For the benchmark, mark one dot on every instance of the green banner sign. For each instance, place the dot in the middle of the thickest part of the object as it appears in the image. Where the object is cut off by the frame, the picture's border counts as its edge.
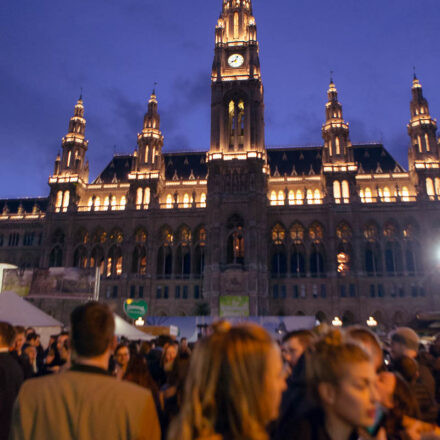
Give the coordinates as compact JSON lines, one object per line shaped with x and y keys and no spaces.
{"x":234,"y":306}
{"x":135,"y":309}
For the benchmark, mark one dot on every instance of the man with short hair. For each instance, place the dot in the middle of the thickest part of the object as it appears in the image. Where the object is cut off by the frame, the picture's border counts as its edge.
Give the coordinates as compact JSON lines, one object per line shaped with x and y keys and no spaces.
{"x":11,"y":378}
{"x":85,"y":402}
{"x":294,"y":344}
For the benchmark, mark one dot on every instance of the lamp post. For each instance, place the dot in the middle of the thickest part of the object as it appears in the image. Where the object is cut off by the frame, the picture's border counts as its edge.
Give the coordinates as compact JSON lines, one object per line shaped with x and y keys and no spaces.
{"x":139,"y":322}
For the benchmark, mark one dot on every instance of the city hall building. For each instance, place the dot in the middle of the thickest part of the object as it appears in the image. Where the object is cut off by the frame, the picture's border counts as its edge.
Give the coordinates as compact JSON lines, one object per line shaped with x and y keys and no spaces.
{"x":333,"y":230}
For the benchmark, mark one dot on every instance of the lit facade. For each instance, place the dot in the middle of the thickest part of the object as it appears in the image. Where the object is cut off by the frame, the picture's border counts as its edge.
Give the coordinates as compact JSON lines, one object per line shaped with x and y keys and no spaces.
{"x":332,"y":230}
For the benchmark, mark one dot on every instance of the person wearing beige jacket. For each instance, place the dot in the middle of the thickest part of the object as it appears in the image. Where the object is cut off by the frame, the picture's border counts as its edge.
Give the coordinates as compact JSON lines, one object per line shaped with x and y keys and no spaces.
{"x":85,"y":402}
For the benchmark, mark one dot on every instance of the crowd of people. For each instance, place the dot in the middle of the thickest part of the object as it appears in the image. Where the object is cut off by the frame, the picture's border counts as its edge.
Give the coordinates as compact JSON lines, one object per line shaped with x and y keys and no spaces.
{"x":236,"y":383}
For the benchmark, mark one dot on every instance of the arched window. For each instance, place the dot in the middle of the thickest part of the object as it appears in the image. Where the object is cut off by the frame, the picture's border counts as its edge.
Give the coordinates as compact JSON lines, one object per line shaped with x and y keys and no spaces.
{"x":140,"y":235}
{"x":386,"y":195}
{"x":116,"y":235}
{"x":80,"y":257}
{"x":139,"y":261}
{"x":344,"y":253}
{"x":405,"y":194}
{"x":90,"y":203}
{"x":169,"y":201}
{"x":430,"y":188}
{"x":165,"y":255}
{"x":139,"y":198}
{"x":278,"y":234}
{"x":310,"y":200}
{"x":114,"y":203}
{"x":279,"y":257}
{"x":203,"y":200}
{"x":281,"y":196}
{"x":59,"y":201}
{"x":106,"y":204}
{"x":56,"y":257}
{"x":316,"y":232}
{"x":236,"y":124}
{"x":99,"y":236}
{"x":183,"y":254}
{"x":273,"y":198}
{"x":291,"y":197}
{"x":297,"y":232}
{"x":186,"y":201}
{"x":368,"y":195}
{"x":318,"y":200}
{"x":114,"y":262}
{"x":299,"y":197}
{"x":123,"y":203}
{"x":337,"y":191}
{"x":373,"y":260}
{"x":235,"y":245}
{"x":345,"y":191}
{"x":317,"y":266}
{"x":97,"y":204}
{"x":437,"y":186}
{"x":81,"y":236}
{"x":66,"y":200}
{"x":199,"y":252}
{"x":393,"y":258}
{"x":97,"y":258}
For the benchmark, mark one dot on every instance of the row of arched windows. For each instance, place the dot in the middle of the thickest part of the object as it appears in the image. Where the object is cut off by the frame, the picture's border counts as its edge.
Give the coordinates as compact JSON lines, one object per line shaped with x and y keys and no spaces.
{"x":312,"y":197}
{"x":107,"y":203}
{"x":433,"y":187}
{"x":185,"y":201}
{"x":62,"y":201}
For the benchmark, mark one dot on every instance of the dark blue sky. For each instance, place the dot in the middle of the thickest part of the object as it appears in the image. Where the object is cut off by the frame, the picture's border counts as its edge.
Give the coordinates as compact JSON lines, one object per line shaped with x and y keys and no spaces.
{"x":117,"y":49}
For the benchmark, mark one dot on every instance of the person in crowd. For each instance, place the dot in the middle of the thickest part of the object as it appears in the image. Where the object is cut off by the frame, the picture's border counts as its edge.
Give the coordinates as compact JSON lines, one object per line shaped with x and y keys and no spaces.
{"x":29,"y":331}
{"x":145,"y":348}
{"x":86,"y":402}
{"x":169,"y":355}
{"x":65,"y":355}
{"x":296,"y":400}
{"x":20,"y":339}
{"x":154,"y":359}
{"x":234,"y":386}
{"x":405,"y":342}
{"x":184,"y":347}
{"x":370,"y":342}
{"x":122,"y":359}
{"x":342,"y":378}
{"x":294,"y":344}
{"x":30,"y":356}
{"x":11,"y":378}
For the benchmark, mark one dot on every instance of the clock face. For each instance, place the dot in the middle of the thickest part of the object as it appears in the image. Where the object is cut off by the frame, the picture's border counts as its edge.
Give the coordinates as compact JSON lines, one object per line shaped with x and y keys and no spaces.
{"x":236,"y":60}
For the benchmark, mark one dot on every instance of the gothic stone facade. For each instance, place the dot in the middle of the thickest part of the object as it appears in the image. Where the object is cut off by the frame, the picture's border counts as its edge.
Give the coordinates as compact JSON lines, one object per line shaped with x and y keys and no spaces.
{"x":333,"y":230}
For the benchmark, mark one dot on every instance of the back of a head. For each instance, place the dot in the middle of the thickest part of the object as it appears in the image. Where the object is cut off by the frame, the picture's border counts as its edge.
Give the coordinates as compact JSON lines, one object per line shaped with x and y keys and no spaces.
{"x":306,"y":337}
{"x":407,"y":367}
{"x":330,"y":358}
{"x":92,"y":329}
{"x":225,"y":391}
{"x":7,"y":334}
{"x":407,"y":337}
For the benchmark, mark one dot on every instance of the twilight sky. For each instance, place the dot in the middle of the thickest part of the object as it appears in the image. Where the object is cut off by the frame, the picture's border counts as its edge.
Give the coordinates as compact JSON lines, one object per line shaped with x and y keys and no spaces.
{"x":117,"y":49}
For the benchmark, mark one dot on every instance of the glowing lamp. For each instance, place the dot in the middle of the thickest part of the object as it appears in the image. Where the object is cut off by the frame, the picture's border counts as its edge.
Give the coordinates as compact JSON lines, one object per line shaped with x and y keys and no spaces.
{"x":371,"y":322}
{"x":336,"y":322}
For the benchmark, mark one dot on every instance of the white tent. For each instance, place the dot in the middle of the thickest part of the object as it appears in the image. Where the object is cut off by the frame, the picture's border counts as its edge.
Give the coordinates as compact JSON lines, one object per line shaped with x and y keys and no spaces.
{"x":123,"y":328}
{"x":17,"y":311}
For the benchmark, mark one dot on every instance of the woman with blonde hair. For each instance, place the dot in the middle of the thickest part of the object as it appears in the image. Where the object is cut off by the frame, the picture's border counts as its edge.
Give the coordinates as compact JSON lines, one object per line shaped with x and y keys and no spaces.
{"x":234,"y":386}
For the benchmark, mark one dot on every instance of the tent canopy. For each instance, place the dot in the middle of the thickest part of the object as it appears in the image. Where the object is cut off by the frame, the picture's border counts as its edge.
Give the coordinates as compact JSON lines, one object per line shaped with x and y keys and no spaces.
{"x":17,"y":311}
{"x":123,"y":328}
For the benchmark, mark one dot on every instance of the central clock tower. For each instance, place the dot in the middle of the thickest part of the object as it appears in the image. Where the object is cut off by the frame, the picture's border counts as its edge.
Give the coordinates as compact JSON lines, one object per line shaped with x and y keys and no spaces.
{"x":237,"y":118}
{"x":237,"y":261}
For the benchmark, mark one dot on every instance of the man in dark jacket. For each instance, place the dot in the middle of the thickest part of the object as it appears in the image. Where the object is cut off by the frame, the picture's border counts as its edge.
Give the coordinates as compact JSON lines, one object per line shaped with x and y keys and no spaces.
{"x":11,"y":378}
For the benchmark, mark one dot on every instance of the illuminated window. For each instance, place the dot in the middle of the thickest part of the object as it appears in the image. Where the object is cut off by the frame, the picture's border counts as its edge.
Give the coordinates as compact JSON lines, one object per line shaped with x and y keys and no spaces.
{"x":236,"y":26}
{"x":371,"y":232}
{"x":106,"y":204}
{"x":317,"y":197}
{"x":123,"y":203}
{"x":386,"y":195}
{"x":368,"y":195}
{"x":169,"y":201}
{"x":430,"y":187}
{"x":66,"y":199}
{"x":97,"y":203}
{"x":140,"y":235}
{"x":344,"y":232}
{"x":59,"y":201}
{"x":90,"y":203}
{"x":420,"y":143}
{"x":203,"y":200}
{"x":139,"y":198}
{"x":297,"y":233}
{"x":338,"y":145}
{"x":310,"y":197}
{"x":281,"y":198}
{"x":299,"y":197}
{"x":337,"y":191}
{"x":69,"y":158}
{"x":278,"y":234}
{"x":291,"y":197}
{"x":147,"y":152}
{"x":362,"y":195}
{"x":116,"y":235}
{"x":405,"y":194}
{"x":390,"y":231}
{"x":114,"y":203}
{"x":153,"y":157}
{"x":186,"y":201}
{"x":345,"y":191}
{"x":427,"y":142}
{"x":146,"y":197}
{"x":343,"y":260}
{"x":437,"y":186}
{"x":273,"y":198}
{"x":316,"y":232}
